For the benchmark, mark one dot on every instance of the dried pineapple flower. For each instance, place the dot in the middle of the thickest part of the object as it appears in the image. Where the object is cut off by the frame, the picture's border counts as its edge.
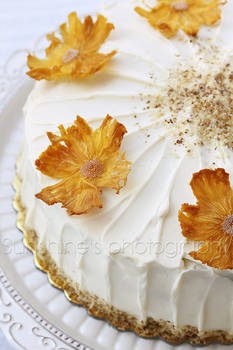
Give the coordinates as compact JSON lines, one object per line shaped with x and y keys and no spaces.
{"x":169,"y":16}
{"x":84,"y":161}
{"x":76,"y":55}
{"x":211,"y":220}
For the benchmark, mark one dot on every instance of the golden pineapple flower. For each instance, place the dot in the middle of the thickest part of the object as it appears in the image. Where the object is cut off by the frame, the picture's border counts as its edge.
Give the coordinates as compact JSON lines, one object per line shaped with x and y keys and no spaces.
{"x":84,"y":161}
{"x":170,"y":15}
{"x":211,"y":220}
{"x":76,"y":54}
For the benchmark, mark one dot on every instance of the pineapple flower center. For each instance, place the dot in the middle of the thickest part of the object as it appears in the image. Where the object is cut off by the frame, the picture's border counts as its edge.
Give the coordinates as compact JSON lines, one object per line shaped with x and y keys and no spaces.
{"x":92,"y":168}
{"x":180,"y":6}
{"x":228,"y":225}
{"x":70,"y":55}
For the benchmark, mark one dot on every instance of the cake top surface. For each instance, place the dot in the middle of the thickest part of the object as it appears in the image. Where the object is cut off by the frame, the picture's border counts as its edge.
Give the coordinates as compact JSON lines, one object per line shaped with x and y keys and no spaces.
{"x":174,"y":98}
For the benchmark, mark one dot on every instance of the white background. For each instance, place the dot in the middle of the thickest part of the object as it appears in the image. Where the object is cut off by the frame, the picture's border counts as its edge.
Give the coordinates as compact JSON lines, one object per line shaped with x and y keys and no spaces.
{"x":22,"y":22}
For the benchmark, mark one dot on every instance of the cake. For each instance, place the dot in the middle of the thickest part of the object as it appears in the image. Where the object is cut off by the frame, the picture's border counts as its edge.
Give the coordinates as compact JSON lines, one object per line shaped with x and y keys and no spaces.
{"x":126,"y":111}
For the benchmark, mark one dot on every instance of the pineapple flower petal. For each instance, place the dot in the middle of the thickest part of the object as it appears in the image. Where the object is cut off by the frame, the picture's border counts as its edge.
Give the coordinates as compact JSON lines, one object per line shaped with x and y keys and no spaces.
{"x":77,"y":196}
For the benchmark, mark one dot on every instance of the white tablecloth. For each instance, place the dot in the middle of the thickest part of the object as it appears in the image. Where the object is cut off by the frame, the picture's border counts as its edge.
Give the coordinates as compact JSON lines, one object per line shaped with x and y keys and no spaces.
{"x":22,"y":22}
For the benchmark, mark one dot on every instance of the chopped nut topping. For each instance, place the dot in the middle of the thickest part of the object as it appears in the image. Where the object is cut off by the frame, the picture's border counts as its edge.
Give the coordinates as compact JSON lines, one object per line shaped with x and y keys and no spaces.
{"x":198,"y":101}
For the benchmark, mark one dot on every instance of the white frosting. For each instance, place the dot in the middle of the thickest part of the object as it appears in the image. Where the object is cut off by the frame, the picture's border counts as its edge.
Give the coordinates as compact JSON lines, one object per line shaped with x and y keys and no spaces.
{"x":148,"y":276}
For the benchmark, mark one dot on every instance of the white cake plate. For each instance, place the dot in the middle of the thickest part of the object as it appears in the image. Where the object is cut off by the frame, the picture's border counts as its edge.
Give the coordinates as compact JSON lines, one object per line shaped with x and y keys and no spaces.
{"x":33,"y":314}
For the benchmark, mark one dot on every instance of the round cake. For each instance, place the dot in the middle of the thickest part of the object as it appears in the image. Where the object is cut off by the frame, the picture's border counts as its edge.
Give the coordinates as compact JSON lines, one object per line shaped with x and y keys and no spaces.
{"x":124,"y":178}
